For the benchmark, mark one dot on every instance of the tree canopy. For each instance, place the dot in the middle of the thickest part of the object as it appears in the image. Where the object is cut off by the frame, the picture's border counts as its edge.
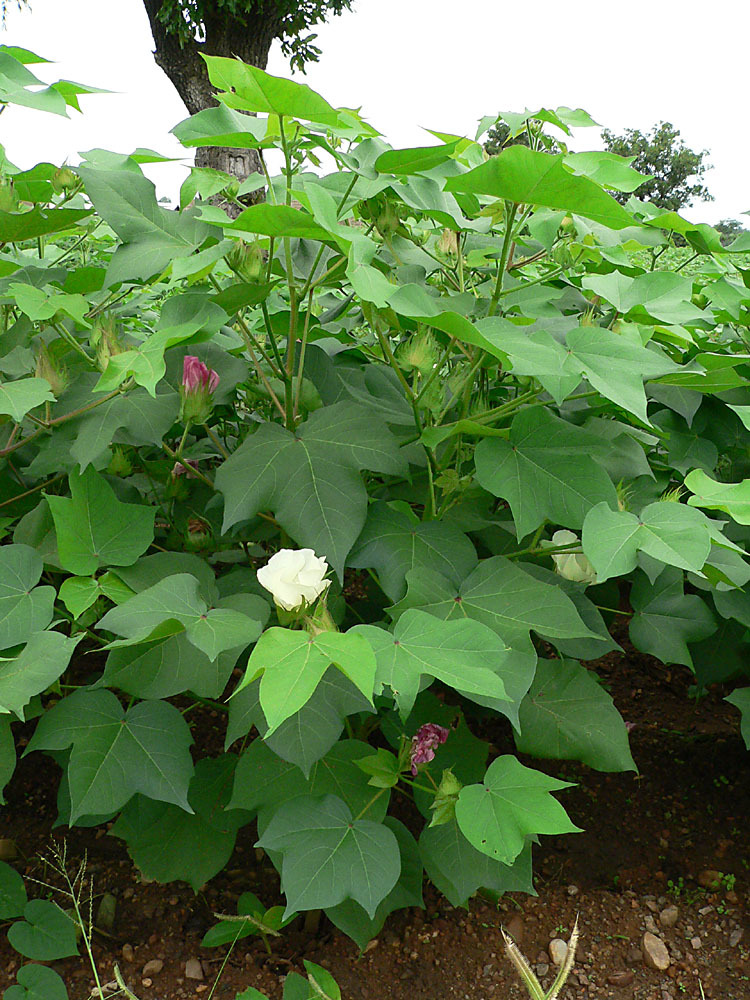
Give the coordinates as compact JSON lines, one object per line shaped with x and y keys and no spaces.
{"x":676,"y":170}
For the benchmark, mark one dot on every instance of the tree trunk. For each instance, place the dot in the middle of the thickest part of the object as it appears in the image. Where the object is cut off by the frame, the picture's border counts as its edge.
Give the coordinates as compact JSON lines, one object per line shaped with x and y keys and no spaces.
{"x":248,"y":38}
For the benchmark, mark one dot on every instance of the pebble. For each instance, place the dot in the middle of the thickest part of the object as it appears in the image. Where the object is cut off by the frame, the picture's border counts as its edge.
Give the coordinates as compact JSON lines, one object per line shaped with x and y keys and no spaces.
{"x":696,"y":943}
{"x":153,"y":968}
{"x":127,"y":953}
{"x":147,"y":982}
{"x":622,"y":978}
{"x":669,"y":916}
{"x":635,"y":955}
{"x":542,"y":969}
{"x":193,"y":969}
{"x":710,"y":878}
{"x":514,"y":927}
{"x":558,"y":949}
{"x":735,"y":937}
{"x":573,"y":890}
{"x":655,"y":953}
{"x":651,"y":925}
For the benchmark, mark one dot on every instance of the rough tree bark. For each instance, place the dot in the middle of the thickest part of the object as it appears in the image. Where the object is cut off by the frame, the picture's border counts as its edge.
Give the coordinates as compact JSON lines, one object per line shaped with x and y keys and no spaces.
{"x":250,"y":39}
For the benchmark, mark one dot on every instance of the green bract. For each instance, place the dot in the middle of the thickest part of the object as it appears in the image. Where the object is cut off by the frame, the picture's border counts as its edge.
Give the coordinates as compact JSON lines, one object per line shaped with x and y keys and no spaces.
{"x":446,"y":377}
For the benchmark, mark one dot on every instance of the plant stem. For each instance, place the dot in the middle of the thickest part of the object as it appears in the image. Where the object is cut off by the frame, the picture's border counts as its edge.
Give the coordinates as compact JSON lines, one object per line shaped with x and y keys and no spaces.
{"x":216,"y":441}
{"x":511,"y":214}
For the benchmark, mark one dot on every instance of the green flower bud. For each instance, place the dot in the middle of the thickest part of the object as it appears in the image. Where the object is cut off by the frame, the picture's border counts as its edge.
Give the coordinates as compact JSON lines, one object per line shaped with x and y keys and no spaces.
{"x":64,"y":180}
{"x":119,"y":464}
{"x":448,"y":244}
{"x":232,"y":188}
{"x":419,"y":352}
{"x":105,"y":340}
{"x":246,"y":260}
{"x":49,"y":368}
{"x":198,"y":534}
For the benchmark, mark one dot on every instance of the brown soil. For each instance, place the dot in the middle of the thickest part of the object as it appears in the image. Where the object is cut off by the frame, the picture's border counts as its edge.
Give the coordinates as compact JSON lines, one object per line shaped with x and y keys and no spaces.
{"x":650,"y":840}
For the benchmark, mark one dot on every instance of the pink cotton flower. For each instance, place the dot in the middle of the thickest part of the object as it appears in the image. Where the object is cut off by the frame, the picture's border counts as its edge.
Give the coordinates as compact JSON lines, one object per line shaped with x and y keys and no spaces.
{"x":199,"y":382}
{"x":195,"y":374}
{"x":424,"y":743}
{"x":185,"y":469}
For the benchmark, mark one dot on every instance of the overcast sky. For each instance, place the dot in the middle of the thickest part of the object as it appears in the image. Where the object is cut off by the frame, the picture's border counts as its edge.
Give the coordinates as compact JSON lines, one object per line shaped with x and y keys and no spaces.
{"x":438,"y":64}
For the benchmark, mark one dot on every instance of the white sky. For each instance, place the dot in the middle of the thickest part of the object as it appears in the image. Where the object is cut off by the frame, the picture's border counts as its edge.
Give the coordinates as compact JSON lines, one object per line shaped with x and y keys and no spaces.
{"x":440,"y":64}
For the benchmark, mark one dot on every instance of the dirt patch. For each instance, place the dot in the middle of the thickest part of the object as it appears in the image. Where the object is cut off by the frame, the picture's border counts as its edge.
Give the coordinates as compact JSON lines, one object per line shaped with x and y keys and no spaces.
{"x":651,"y":841}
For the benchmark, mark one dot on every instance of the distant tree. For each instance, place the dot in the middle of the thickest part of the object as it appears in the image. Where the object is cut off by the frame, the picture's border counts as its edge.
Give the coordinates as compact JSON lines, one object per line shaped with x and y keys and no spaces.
{"x":676,"y":169}
{"x":729,"y":230}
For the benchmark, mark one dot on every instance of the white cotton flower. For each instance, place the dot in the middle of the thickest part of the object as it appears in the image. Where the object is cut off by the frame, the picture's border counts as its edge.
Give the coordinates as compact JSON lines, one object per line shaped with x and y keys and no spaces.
{"x":294,"y":577}
{"x":572,"y":565}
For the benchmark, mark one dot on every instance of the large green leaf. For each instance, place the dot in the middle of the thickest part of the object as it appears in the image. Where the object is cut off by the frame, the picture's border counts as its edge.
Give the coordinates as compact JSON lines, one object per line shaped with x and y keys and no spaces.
{"x":464,"y":654}
{"x":311,"y":479}
{"x":533,"y":178}
{"x":96,"y":529}
{"x":36,"y":982}
{"x":17,"y":398}
{"x":220,"y":126}
{"x":151,"y":236}
{"x":732,"y":498}
{"x":393,"y":542}
{"x":513,"y":803}
{"x":18,"y":226}
{"x":12,"y":892}
{"x":353,"y":919}
{"x":7,"y":765}
{"x":740,"y":698}
{"x":567,"y":715}
{"x":544,"y":470}
{"x":135,"y":418}
{"x":500,"y":594}
{"x":458,"y":869}
{"x":248,"y":88}
{"x":24,"y":607}
{"x":291,"y":664}
{"x":668,"y":532}
{"x":309,"y":734}
{"x":666,"y":619}
{"x":45,"y":933}
{"x":662,"y":295}
{"x":42,"y":660}
{"x":166,"y":843}
{"x":118,"y":753}
{"x":330,"y":856}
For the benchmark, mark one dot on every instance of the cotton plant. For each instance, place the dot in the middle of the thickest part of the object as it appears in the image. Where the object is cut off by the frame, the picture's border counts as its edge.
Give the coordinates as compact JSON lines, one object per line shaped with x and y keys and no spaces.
{"x":526,"y":973}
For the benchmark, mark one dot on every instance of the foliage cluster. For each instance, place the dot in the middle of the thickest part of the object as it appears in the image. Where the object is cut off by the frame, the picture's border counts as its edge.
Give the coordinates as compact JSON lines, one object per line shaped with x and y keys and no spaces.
{"x":467,"y":383}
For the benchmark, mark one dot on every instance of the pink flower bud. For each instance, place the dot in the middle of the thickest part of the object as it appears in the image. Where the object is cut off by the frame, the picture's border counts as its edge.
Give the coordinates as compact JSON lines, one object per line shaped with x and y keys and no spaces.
{"x":199,"y":382}
{"x":424,"y":743}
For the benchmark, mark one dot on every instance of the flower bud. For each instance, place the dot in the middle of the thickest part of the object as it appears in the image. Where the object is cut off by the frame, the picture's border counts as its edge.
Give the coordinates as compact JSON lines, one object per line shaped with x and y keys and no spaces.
{"x":419,"y":352}
{"x":572,"y":565}
{"x":105,"y":340}
{"x":199,"y":383}
{"x":232,"y":188}
{"x":47,"y":367}
{"x":246,"y":260}
{"x":198,"y":535}
{"x":64,"y":180}
{"x":448,"y":244}
{"x":119,"y":464}
{"x":8,"y":196}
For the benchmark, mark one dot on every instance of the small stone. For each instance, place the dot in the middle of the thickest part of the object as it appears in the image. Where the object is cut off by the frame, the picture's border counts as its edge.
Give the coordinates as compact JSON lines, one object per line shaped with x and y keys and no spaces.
{"x":105,"y":916}
{"x":710,"y":878}
{"x":557,"y":949}
{"x":128,"y":893}
{"x":696,"y":943}
{"x":147,"y":982}
{"x":651,"y":925}
{"x":127,"y":953}
{"x":193,"y":969}
{"x":153,"y":968}
{"x":732,"y":897}
{"x":735,"y":937}
{"x":622,"y":978}
{"x":573,"y":890}
{"x":371,"y":944}
{"x":635,"y":955}
{"x":669,"y":916}
{"x":542,"y":969}
{"x":655,"y":953}
{"x":8,"y":850}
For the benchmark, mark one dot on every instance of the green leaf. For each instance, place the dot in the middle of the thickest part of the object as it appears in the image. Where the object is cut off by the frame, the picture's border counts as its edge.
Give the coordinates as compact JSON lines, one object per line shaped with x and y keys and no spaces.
{"x":615,"y":366}
{"x":329,"y":856}
{"x":42,"y":660}
{"x":740,"y":698}
{"x":292,"y":664}
{"x":415,"y":160}
{"x":96,"y":529}
{"x":353,"y":920}
{"x":278,"y":220}
{"x":37,"y":982}
{"x":18,"y":226}
{"x":463,"y":654}
{"x":666,"y":619}
{"x":309,"y":734}
{"x":544,"y":470}
{"x":135,"y":418}
{"x":17,"y":398}
{"x":458,"y":870}
{"x":167,"y":844}
{"x":567,"y":715}
{"x":45,"y":933}
{"x":78,"y":593}
{"x":732,"y":498}
{"x":118,"y":753}
{"x":151,"y":236}
{"x":512,"y":803}
{"x":24,"y":607}
{"x":500,"y":594}
{"x":12,"y":893}
{"x":533,"y":178}
{"x":263,"y":781}
{"x":394,"y":542}
{"x":221,"y":126}
{"x":251,"y":89}
{"x":668,"y":532}
{"x":7,"y":763}
{"x":311,"y":479}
